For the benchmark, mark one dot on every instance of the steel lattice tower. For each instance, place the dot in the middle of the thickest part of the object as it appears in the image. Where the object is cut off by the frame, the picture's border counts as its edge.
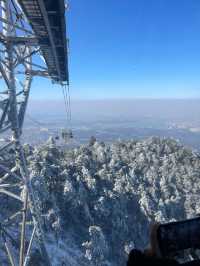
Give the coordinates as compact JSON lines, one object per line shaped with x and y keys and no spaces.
{"x":32,"y":43}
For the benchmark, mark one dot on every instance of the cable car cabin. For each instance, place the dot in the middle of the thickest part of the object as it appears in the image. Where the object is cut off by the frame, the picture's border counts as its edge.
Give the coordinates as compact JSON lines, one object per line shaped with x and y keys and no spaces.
{"x":66,"y":135}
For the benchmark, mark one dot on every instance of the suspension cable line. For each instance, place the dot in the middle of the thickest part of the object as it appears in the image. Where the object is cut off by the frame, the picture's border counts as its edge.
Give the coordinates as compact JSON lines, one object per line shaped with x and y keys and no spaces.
{"x":66,"y":103}
{"x":67,"y":134}
{"x":69,"y":100}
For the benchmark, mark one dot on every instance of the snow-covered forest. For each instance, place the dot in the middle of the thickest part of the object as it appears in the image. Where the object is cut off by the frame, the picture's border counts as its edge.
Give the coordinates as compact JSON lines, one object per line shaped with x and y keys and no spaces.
{"x":99,"y":199}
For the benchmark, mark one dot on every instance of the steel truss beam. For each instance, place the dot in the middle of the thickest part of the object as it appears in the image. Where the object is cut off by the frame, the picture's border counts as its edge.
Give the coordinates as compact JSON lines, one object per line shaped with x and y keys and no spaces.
{"x":18,"y":50}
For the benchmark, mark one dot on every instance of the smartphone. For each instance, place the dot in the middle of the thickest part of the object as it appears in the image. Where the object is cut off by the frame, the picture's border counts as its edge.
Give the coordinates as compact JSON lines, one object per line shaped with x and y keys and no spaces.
{"x":177,"y":236}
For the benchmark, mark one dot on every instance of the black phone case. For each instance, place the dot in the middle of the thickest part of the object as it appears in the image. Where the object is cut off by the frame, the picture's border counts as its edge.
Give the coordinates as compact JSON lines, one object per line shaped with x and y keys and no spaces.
{"x":177,"y":236}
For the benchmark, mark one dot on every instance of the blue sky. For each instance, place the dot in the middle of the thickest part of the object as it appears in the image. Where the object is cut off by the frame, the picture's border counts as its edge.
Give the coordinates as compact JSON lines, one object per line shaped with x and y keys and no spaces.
{"x":131,"y":49}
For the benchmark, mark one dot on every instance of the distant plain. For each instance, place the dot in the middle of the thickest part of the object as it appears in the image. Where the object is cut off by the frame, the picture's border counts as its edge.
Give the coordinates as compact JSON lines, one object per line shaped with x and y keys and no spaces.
{"x":110,"y":120}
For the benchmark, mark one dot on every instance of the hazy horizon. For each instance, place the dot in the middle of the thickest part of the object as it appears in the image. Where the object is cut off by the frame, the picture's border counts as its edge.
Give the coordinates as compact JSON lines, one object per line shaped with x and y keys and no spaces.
{"x":173,"y":108}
